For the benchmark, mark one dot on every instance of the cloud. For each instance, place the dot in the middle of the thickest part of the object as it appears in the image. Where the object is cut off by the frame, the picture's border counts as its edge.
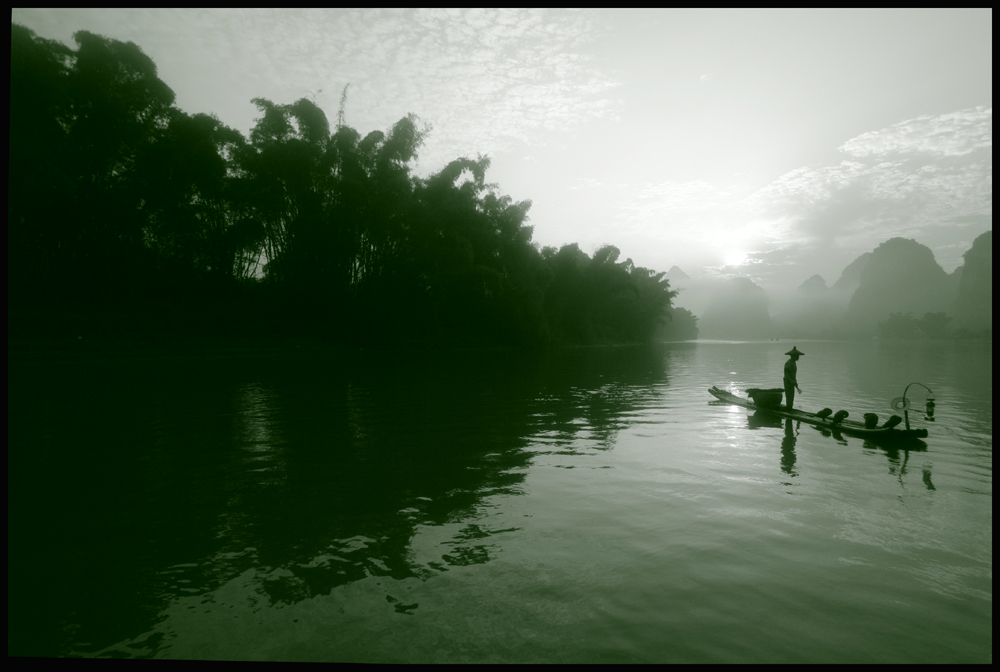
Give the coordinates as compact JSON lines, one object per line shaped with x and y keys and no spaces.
{"x":916,"y":174}
{"x":954,"y":134}
{"x":484,"y":78}
{"x":697,"y":195}
{"x":585,"y":183}
{"x":923,"y":178}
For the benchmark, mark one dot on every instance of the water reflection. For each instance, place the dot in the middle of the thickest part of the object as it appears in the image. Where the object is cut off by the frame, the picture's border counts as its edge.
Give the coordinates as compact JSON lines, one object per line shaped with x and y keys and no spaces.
{"x":288,"y":499}
{"x":587,"y":395}
{"x":762,"y":420}
{"x":759,"y":419}
{"x":788,"y":448}
{"x":278,"y":479}
{"x":828,"y":432}
{"x":391,"y":448}
{"x":363,"y":461}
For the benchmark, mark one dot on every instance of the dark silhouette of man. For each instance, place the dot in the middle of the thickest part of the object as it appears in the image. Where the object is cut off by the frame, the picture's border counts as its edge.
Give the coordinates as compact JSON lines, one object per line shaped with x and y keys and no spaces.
{"x":791,"y":373}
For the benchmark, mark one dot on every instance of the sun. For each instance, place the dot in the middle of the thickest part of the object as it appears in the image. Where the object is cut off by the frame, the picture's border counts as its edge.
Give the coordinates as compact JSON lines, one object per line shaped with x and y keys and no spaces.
{"x":734,"y":257}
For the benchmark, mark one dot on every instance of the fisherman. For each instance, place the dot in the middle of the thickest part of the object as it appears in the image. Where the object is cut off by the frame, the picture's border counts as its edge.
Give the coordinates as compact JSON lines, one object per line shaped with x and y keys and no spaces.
{"x":791,"y":371}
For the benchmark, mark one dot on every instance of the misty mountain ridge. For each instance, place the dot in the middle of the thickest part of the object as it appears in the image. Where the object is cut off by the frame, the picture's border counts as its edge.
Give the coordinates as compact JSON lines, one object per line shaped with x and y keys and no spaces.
{"x":815,"y":284}
{"x":738,"y":310}
{"x":900,"y":277}
{"x":974,"y":302}
{"x":850,"y":278}
{"x":676,"y":275}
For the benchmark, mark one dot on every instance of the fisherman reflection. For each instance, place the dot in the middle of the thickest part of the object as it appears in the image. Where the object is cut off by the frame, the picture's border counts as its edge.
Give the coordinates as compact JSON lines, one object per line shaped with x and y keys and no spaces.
{"x":788,"y":447}
{"x":897,"y":466}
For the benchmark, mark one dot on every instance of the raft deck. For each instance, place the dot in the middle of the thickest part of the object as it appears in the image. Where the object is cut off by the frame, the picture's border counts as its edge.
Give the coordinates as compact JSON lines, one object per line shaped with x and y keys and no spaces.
{"x":849,"y":427}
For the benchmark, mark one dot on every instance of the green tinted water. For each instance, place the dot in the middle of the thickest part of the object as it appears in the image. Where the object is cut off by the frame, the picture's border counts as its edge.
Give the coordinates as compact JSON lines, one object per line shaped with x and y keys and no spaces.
{"x":578,"y":505}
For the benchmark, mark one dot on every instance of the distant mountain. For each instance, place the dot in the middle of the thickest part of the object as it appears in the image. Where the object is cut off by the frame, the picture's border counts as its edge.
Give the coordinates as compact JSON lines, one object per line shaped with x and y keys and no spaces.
{"x":736,"y":311}
{"x":952,"y":284}
{"x":812,"y":311}
{"x":676,"y":275}
{"x":814,"y":285}
{"x":901,"y":276}
{"x":851,"y":276}
{"x":974,"y":303}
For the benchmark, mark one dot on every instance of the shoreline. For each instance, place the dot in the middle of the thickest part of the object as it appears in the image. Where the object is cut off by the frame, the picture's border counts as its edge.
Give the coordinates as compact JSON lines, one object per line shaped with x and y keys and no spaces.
{"x":69,"y":348}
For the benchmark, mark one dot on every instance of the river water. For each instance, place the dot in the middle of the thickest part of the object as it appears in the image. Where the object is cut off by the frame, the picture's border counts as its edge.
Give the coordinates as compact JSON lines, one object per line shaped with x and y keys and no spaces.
{"x":578,"y":505}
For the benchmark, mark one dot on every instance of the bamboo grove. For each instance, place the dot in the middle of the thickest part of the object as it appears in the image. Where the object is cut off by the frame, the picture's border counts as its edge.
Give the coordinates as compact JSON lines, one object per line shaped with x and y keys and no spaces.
{"x":121,"y":204}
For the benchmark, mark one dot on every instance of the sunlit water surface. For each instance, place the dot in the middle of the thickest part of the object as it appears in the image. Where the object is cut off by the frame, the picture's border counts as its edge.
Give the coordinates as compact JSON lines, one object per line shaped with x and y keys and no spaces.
{"x":588,"y":505}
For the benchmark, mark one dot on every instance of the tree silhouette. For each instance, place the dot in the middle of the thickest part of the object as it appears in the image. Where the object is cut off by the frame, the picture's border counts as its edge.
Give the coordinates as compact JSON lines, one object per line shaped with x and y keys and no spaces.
{"x":899,"y":326}
{"x":118,"y":197}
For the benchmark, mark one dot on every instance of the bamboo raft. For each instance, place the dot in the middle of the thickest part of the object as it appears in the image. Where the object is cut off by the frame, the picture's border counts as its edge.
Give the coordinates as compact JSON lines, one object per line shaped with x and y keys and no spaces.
{"x":848,"y":427}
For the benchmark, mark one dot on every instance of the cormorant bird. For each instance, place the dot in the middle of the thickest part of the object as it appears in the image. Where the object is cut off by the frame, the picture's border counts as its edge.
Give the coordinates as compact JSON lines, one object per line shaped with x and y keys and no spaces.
{"x":892,"y":422}
{"x":871,"y":420}
{"x":825,"y":413}
{"x":838,"y":416}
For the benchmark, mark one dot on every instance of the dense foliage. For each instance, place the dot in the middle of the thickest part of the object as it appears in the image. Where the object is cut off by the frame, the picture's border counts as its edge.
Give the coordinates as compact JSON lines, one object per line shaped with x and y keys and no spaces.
{"x":121,"y":202}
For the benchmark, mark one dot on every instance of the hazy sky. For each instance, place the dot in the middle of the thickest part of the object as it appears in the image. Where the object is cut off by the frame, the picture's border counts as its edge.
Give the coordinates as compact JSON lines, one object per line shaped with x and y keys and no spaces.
{"x":781,"y":143}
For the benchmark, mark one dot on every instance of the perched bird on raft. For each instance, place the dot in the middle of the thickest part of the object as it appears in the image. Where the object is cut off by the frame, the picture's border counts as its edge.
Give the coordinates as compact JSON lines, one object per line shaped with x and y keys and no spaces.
{"x":839,"y":416}
{"x":825,"y":413}
{"x":892,"y":422}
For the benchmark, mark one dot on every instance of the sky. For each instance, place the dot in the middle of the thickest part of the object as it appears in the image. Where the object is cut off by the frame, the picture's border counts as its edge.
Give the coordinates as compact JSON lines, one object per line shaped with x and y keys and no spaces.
{"x":769,"y":144}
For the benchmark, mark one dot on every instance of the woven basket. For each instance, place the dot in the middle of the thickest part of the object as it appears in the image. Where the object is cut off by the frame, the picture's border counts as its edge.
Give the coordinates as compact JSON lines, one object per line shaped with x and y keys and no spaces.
{"x":766,"y":398}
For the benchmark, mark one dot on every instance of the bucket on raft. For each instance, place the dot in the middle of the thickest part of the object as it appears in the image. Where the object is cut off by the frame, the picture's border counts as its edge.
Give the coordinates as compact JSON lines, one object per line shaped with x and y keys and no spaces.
{"x":766,"y":398}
